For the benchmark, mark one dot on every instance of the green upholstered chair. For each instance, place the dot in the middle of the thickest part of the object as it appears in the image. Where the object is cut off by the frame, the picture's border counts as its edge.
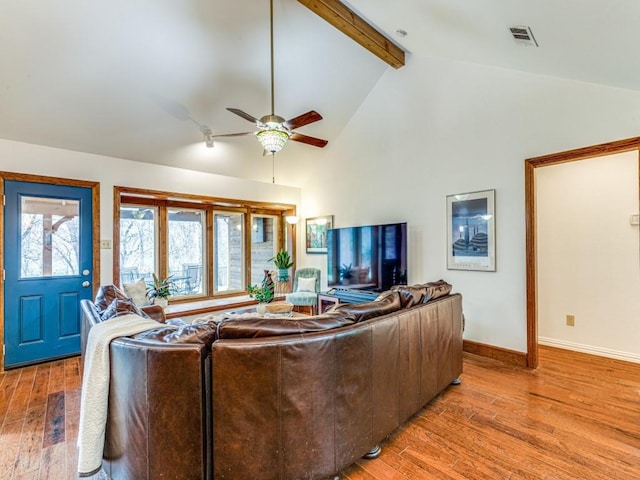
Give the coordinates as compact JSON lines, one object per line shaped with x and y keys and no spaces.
{"x":305,"y":291}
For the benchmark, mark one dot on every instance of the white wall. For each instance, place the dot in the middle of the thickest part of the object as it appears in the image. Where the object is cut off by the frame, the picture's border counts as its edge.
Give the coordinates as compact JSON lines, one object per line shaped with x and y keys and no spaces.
{"x":433,"y":128}
{"x":33,"y":159}
{"x":589,"y":255}
{"x":438,"y":127}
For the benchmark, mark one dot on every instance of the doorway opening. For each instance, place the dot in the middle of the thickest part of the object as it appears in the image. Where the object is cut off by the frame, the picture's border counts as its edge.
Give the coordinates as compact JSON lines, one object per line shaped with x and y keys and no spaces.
{"x":631,"y":144}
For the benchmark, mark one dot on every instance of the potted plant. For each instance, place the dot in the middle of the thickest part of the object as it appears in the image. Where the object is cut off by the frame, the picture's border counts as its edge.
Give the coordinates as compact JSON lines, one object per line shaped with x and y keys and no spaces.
{"x":160,"y":290}
{"x":283,"y":263}
{"x":345,"y":273}
{"x":263,"y":294}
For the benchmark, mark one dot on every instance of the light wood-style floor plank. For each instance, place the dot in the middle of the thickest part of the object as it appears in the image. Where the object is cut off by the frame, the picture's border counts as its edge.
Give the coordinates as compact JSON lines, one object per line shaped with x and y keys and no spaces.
{"x":576,"y":417}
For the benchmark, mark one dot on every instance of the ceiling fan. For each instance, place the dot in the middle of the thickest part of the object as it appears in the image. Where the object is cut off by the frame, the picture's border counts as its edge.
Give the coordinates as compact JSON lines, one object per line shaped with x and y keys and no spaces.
{"x":274,"y":131}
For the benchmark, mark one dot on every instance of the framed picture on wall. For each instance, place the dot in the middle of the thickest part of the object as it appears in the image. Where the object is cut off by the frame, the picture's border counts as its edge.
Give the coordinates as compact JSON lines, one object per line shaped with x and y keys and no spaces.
{"x":316,"y":233}
{"x":471,"y":238}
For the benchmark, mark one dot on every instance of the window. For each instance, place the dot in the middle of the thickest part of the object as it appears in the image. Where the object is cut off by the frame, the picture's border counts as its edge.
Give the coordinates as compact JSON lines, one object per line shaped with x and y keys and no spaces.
{"x":228,"y":235}
{"x":210,"y":246}
{"x":138,"y":246}
{"x":264,"y":243}
{"x":185,"y":245}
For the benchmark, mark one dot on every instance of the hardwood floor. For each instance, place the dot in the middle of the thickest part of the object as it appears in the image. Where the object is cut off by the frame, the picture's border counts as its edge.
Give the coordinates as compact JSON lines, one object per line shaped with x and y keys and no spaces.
{"x":576,"y":417}
{"x":39,"y":411}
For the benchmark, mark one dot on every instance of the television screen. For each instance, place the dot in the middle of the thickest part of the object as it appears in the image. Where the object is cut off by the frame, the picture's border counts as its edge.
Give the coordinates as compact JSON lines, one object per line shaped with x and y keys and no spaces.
{"x":372,"y":257}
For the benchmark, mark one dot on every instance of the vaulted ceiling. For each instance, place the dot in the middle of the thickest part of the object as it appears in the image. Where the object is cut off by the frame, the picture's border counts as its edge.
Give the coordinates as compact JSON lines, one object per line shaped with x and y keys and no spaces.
{"x":138,"y":80}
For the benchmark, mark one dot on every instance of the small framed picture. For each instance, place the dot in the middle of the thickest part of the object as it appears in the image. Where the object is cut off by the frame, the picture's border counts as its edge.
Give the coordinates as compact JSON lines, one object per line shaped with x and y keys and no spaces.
{"x":316,"y":233}
{"x":471,"y":238}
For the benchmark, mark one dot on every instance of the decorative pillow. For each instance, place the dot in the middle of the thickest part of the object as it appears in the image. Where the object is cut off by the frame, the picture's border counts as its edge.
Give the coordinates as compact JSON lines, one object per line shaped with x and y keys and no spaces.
{"x":306,"y":284}
{"x":121,"y":306}
{"x":137,"y":292}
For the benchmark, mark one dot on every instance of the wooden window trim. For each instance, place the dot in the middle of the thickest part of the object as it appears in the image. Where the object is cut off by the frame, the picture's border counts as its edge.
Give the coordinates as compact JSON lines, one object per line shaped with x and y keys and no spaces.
{"x":163,"y":200}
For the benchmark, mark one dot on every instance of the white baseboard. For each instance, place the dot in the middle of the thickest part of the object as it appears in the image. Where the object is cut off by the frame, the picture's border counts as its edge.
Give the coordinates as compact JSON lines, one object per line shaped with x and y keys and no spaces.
{"x":578,"y":347}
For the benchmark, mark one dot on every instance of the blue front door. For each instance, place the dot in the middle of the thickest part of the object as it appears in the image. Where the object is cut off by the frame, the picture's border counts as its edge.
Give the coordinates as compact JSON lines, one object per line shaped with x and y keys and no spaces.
{"x":48,"y":260}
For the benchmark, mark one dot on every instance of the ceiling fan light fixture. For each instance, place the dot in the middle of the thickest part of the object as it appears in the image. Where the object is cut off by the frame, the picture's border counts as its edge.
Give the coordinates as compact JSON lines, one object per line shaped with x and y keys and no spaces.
{"x":273,"y":130}
{"x":208,"y":137}
{"x":272,"y":139}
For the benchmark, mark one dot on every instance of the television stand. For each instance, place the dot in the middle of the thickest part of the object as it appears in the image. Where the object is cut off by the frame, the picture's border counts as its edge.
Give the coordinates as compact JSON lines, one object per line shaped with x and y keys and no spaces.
{"x":343,"y":295}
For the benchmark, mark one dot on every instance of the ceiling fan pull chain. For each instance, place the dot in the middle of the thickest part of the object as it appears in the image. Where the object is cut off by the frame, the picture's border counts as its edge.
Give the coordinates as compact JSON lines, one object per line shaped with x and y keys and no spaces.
{"x":273,"y":167}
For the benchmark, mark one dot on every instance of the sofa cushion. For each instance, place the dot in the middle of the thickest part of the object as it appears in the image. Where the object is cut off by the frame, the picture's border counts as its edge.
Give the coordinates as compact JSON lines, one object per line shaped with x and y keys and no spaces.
{"x":106,"y":295}
{"x":411,"y":295}
{"x":387,"y":302}
{"x":436,"y":290}
{"x":137,"y":291}
{"x":179,"y":331}
{"x":156,"y":312}
{"x":121,"y":306}
{"x":254,"y":327}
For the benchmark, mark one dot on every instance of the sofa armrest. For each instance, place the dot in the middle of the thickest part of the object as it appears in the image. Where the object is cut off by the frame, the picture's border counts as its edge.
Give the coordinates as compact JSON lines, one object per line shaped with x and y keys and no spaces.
{"x":156,"y":312}
{"x":158,"y":423}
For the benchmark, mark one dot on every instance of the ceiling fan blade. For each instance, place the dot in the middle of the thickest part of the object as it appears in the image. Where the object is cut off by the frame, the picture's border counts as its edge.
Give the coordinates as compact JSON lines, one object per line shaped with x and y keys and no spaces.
{"x":232,"y":134}
{"x":244,"y":115}
{"x":316,"y":142}
{"x":302,"y":120}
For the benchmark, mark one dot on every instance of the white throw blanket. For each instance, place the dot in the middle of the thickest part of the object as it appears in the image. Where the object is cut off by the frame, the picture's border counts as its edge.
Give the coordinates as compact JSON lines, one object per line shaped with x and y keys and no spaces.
{"x":95,"y":386}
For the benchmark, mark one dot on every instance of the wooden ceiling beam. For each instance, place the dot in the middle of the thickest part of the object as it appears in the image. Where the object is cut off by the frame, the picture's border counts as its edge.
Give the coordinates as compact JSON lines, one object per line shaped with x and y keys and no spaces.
{"x":351,"y":24}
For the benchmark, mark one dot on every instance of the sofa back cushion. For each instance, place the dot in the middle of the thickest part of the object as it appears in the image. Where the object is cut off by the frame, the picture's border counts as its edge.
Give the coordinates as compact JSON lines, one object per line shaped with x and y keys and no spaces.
{"x":436,"y":290}
{"x":254,"y":327}
{"x":178,"y":331}
{"x":411,"y":295}
{"x":387,"y":302}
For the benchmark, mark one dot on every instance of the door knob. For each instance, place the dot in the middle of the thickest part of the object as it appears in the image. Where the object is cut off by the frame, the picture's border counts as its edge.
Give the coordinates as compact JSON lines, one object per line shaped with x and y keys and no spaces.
{"x":85,"y":284}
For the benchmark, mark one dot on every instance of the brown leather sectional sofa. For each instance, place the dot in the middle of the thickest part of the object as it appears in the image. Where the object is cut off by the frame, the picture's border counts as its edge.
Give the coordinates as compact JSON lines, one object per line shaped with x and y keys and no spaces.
{"x":277,"y":398}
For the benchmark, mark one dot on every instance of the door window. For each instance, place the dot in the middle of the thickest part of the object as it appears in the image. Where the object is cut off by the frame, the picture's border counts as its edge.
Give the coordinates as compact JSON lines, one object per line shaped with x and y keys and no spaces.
{"x":49,"y":237}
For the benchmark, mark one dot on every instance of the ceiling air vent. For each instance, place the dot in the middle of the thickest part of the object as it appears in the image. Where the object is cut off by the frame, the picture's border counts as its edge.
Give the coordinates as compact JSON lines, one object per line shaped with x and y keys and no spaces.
{"x":523,"y":36}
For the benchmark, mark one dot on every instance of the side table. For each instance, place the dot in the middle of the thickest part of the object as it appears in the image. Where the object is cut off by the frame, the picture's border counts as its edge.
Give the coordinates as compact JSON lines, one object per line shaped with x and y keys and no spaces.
{"x":325,"y":301}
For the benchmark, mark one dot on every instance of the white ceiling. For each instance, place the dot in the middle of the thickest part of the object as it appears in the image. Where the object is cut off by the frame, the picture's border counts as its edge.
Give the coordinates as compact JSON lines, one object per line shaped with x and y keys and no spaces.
{"x":137,"y":79}
{"x":587,"y":40}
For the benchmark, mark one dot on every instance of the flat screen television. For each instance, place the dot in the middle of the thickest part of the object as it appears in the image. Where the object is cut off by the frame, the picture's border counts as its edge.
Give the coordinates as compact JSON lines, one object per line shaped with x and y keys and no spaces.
{"x":371,"y":257}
